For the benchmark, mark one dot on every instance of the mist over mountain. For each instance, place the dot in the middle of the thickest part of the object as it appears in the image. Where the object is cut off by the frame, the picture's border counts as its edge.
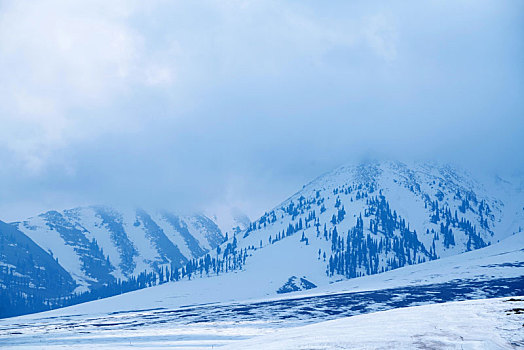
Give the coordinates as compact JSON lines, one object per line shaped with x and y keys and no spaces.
{"x":189,"y":116}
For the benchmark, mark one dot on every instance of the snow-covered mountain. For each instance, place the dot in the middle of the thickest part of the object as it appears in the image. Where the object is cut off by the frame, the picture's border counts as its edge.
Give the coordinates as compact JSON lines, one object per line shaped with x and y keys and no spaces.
{"x":205,"y":313}
{"x":84,"y":249}
{"x":98,"y":244}
{"x":354,"y":221}
{"x":373,"y":217}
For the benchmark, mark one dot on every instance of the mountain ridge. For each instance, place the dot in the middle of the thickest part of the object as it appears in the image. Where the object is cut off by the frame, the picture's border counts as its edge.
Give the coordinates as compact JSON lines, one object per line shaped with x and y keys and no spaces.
{"x":353,"y":221}
{"x":100,"y":249}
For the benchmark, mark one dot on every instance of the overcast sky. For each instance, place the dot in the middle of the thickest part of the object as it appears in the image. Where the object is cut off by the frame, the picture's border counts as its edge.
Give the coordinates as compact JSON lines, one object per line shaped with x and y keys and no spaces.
{"x":202,"y":105}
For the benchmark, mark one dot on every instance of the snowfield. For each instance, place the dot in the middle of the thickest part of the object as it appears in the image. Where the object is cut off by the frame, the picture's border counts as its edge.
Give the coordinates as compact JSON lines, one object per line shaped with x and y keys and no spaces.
{"x":478,"y":324}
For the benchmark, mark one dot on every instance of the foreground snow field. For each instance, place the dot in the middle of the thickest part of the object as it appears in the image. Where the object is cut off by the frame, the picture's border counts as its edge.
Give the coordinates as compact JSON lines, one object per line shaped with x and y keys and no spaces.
{"x":479,"y":324}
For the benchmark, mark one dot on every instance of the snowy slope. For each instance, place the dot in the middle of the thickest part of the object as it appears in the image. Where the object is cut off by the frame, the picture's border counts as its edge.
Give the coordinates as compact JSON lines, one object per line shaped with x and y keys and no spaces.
{"x":28,"y":267}
{"x":504,"y":260}
{"x":207,"y":312}
{"x":374,"y":217}
{"x":479,"y":324}
{"x":97,"y":245}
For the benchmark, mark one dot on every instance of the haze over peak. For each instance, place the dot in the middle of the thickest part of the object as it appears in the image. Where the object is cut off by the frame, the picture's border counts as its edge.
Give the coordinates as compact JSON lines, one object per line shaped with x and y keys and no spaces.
{"x":152,"y":109}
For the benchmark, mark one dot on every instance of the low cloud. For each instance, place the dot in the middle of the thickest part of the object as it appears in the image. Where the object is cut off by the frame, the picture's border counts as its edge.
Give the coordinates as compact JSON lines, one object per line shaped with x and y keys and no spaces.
{"x":195,"y":105}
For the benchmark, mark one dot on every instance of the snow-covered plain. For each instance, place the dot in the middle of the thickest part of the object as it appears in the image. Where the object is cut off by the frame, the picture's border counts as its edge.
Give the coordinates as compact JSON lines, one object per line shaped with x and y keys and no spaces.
{"x":204,"y":313}
{"x":478,"y":324}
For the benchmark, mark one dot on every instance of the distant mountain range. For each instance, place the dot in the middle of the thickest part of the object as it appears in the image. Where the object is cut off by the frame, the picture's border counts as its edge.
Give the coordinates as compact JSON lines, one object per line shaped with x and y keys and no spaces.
{"x":354,"y":221}
{"x":56,"y":253}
